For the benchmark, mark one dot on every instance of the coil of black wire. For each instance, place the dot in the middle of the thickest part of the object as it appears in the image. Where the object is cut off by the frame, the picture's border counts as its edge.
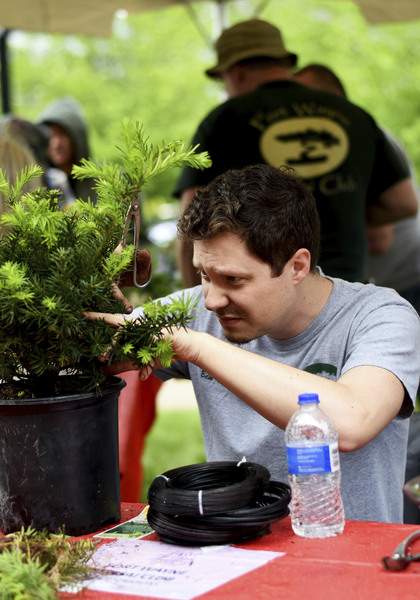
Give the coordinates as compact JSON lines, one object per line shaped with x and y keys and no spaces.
{"x":215,"y":503}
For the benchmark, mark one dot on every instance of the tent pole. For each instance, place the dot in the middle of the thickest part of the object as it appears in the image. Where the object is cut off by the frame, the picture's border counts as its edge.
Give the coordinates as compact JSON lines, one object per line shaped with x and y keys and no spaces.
{"x":4,"y":72}
{"x":221,"y":16}
{"x":194,"y":18}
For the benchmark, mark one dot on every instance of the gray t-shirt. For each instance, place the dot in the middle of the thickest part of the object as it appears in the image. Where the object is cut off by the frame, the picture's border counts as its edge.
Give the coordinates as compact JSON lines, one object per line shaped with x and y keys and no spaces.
{"x":359,"y":325}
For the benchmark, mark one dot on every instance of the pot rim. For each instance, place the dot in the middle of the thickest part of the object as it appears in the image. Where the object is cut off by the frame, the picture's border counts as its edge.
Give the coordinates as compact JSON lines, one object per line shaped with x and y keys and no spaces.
{"x":112,"y":383}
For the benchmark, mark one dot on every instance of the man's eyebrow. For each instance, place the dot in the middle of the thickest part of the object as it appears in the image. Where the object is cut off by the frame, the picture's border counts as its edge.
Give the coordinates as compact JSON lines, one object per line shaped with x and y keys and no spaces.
{"x":226,"y":271}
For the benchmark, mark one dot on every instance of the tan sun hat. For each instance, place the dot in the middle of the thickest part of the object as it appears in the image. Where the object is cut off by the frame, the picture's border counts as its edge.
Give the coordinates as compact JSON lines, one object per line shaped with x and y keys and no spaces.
{"x":247,"y":40}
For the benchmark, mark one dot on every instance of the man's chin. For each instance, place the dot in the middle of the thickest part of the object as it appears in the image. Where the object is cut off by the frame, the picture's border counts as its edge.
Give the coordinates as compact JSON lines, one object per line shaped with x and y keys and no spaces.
{"x":237,"y":338}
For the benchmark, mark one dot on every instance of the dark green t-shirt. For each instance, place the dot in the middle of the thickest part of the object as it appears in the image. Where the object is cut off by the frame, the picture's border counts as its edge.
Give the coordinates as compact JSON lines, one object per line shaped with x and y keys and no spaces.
{"x":333,"y":145}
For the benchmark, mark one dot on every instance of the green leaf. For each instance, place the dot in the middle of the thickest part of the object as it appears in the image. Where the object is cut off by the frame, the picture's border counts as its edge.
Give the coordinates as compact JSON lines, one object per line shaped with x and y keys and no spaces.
{"x":24,"y":176}
{"x":23,"y":578}
{"x":142,"y":340}
{"x":145,"y":356}
{"x":164,"y":352}
{"x":4,"y":184}
{"x":116,"y":263}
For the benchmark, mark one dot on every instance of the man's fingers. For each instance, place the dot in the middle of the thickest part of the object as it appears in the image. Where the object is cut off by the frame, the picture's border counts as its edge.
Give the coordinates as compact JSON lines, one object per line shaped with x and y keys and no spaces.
{"x":114,"y":320}
{"x":120,"y":367}
{"x":118,"y":295}
{"x":145,"y":373}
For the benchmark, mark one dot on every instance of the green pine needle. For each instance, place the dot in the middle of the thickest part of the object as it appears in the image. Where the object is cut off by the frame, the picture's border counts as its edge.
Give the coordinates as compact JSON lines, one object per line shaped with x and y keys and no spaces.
{"x":142,"y":161}
{"x":33,"y":564}
{"x":55,"y":265}
{"x":142,"y":340}
{"x":23,"y":579}
{"x":12,"y":192}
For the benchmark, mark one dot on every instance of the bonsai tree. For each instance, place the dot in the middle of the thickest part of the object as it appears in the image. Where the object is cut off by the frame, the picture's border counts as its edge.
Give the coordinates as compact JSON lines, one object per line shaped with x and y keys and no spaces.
{"x":55,"y":264}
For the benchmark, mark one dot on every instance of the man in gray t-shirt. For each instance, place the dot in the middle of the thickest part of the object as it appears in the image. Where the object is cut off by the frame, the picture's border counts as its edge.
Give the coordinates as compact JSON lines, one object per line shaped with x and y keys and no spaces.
{"x":269,"y":326}
{"x":359,"y":325}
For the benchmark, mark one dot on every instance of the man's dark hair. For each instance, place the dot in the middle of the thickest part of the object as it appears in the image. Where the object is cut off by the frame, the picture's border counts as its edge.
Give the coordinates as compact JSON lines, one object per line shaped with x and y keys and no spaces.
{"x":327,"y":79}
{"x":270,"y":209}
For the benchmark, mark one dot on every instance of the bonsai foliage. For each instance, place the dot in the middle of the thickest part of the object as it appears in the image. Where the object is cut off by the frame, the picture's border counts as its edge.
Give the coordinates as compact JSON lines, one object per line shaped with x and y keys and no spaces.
{"x":55,"y":264}
{"x":143,"y":341}
{"x":34,"y":565}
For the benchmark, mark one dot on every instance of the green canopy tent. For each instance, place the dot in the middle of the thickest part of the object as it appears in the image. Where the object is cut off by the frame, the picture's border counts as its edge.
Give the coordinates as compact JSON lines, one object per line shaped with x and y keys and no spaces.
{"x":95,"y":17}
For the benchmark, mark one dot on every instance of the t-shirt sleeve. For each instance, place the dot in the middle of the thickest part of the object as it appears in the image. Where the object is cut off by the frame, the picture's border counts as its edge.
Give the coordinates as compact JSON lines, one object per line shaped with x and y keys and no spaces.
{"x":391,"y":165}
{"x":388,"y":337}
{"x":189,"y":176}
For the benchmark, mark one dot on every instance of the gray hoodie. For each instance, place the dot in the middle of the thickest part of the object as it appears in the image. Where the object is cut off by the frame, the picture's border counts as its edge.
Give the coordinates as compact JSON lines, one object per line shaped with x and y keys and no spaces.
{"x":67,"y":113}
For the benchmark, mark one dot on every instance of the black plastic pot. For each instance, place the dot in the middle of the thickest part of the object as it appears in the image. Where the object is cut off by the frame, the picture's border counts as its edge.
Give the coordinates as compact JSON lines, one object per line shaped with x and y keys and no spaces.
{"x":59,"y":461}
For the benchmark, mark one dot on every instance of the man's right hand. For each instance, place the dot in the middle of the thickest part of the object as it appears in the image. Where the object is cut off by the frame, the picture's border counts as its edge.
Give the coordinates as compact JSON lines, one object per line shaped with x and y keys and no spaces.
{"x":185,"y":343}
{"x":113,"y":319}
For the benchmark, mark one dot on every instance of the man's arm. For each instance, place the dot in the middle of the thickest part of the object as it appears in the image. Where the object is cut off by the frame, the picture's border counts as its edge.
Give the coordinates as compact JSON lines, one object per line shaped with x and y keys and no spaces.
{"x":398,"y":202}
{"x":392,"y":193}
{"x":189,"y":274}
{"x":380,"y":239}
{"x":360,"y":404}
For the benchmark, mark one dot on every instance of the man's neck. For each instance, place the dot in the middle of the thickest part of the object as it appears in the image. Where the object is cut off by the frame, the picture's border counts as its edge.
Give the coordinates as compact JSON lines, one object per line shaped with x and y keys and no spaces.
{"x":313,"y":294}
{"x":274,"y":74}
{"x":245,"y":80}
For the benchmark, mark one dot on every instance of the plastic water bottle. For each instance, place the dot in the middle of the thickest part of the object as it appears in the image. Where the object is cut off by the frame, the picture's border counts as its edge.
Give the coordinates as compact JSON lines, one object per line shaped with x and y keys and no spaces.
{"x":316,"y":507}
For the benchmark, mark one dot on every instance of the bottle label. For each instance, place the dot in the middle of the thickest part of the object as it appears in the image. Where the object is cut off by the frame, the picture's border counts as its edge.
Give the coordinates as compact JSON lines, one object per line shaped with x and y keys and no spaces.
{"x":310,"y":460}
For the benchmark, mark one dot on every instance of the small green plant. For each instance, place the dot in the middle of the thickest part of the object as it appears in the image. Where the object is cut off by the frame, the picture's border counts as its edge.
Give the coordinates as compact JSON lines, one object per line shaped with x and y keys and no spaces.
{"x":143,"y":340}
{"x":55,"y":265}
{"x":33,"y":565}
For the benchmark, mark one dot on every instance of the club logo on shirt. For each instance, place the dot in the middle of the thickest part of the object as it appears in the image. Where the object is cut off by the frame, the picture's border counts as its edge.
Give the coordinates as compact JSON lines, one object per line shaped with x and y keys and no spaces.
{"x":205,"y":375}
{"x":323,"y":370}
{"x":312,"y":146}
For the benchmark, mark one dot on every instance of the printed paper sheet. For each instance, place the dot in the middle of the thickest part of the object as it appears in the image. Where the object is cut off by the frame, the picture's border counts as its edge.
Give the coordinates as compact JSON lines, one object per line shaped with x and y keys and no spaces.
{"x":155,"y":569}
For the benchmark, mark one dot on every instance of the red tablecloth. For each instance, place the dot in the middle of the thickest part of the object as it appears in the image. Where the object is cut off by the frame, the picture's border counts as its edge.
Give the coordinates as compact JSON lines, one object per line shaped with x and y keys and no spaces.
{"x":347,"y":567}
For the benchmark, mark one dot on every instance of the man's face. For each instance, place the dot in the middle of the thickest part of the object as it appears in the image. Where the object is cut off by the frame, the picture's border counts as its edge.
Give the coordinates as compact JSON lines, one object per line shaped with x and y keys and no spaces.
{"x":239,"y":287}
{"x":60,"y":148}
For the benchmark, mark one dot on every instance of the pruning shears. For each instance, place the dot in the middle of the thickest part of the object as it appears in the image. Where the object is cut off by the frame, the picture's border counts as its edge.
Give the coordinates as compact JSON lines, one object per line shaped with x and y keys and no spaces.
{"x":401,"y":558}
{"x":142,"y":263}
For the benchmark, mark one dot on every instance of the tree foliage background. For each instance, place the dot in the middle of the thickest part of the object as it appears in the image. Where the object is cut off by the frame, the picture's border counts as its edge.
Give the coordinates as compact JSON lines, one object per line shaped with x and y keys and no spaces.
{"x":151,"y":69}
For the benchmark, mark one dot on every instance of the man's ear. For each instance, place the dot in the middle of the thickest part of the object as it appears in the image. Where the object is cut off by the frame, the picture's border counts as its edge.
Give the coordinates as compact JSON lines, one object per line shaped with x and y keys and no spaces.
{"x":300,"y":265}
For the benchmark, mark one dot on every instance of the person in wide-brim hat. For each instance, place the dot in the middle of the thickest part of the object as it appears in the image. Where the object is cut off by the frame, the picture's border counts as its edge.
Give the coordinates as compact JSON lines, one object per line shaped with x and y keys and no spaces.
{"x":249,"y":39}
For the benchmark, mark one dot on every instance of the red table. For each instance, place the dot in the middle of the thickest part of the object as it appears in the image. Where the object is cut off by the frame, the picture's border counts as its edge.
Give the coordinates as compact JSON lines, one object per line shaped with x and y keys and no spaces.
{"x":347,"y":567}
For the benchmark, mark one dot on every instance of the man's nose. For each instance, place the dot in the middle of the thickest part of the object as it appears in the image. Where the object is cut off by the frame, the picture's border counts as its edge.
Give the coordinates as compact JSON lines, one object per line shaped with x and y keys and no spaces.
{"x":215,"y":297}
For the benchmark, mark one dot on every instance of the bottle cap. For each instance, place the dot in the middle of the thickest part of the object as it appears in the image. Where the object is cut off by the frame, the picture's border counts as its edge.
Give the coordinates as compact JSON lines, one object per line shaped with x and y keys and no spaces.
{"x":309,"y":398}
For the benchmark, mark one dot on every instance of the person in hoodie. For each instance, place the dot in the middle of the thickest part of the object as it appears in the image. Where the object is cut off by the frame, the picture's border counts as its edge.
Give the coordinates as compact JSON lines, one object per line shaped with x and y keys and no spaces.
{"x":68,"y":145}
{"x":35,"y":138}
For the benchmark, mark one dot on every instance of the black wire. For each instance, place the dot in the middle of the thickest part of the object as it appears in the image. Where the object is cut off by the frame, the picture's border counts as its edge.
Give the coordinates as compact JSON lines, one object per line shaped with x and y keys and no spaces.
{"x":249,"y":518}
{"x":202,"y":489}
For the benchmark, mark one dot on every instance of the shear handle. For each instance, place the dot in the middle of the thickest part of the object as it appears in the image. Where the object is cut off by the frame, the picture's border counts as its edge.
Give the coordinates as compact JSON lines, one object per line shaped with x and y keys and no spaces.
{"x":133,"y":217}
{"x":400,"y":558}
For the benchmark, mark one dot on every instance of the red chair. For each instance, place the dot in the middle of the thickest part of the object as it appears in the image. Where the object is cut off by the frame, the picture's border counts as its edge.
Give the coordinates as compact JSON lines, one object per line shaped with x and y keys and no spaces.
{"x":136,"y":413}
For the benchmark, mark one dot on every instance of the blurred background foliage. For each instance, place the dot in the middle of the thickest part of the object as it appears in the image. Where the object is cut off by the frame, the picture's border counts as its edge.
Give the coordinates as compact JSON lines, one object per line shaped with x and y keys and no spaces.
{"x":151,"y":69}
